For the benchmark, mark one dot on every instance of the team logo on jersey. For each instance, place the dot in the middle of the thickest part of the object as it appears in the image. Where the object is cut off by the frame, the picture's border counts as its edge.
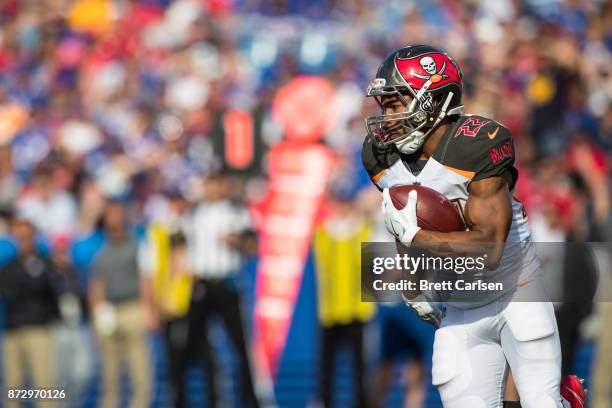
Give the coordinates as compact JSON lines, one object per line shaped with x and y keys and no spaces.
{"x":471,"y":127}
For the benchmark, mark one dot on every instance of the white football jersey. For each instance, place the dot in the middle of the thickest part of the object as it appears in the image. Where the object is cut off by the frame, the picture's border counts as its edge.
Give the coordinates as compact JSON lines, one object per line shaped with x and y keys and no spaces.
{"x":475,"y":148}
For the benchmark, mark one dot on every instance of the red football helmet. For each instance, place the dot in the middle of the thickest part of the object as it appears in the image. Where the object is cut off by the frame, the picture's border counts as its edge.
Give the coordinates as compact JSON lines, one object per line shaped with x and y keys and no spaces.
{"x":434,"y":82}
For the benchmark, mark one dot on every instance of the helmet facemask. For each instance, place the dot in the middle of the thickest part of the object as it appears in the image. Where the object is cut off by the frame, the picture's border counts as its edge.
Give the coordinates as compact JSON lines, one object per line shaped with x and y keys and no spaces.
{"x":409,"y":129}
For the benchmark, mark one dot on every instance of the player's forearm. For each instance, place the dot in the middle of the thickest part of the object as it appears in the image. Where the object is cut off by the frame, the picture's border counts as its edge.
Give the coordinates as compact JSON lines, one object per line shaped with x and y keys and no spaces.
{"x":472,"y":242}
{"x":426,"y":237}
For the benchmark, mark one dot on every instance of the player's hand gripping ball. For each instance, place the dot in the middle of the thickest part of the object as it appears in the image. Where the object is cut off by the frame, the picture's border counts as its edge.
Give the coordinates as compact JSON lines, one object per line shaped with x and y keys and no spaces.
{"x":402,"y":222}
{"x":409,"y":208}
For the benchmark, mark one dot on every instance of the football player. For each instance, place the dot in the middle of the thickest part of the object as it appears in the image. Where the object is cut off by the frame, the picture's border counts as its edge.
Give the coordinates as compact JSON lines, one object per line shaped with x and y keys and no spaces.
{"x":422,"y":136}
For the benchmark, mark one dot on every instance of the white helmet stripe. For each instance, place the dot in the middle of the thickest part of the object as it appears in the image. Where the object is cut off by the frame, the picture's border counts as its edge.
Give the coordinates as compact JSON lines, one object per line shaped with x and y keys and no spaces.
{"x":418,"y":95}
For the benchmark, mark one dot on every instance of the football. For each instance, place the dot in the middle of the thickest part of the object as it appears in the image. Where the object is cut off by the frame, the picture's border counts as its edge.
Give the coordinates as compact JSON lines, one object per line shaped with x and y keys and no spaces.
{"x":434,"y":211}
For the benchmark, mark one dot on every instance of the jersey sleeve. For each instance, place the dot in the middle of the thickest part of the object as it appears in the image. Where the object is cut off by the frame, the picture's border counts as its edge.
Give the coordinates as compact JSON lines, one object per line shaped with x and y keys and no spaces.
{"x":498,"y":157}
{"x":482,"y":148}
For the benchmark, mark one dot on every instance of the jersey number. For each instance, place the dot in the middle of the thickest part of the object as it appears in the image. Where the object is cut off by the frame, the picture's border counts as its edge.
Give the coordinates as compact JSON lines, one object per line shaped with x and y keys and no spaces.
{"x":471,"y":127}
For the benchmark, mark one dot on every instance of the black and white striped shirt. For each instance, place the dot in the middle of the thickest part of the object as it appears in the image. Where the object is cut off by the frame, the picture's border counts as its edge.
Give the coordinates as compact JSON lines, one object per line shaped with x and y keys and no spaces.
{"x":210,"y":223}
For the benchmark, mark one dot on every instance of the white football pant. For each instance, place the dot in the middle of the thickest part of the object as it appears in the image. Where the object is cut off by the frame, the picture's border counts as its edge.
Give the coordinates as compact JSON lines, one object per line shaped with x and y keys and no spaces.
{"x":473,"y":348}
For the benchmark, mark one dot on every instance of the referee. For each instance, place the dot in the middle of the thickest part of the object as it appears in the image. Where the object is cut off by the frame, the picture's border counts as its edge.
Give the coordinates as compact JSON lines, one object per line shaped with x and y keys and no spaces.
{"x":219,"y":235}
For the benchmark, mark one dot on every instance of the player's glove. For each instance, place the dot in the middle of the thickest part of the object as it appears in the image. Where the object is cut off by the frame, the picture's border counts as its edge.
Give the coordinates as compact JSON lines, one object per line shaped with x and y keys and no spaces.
{"x":425,"y":309}
{"x":401,"y":223}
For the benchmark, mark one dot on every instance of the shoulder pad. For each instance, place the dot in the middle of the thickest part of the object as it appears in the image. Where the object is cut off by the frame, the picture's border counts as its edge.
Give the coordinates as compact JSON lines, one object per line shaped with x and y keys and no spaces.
{"x":480,"y":147}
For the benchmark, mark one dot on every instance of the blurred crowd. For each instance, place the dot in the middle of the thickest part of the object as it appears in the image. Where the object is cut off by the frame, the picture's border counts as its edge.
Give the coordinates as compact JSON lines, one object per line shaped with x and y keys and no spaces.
{"x":114,"y":124}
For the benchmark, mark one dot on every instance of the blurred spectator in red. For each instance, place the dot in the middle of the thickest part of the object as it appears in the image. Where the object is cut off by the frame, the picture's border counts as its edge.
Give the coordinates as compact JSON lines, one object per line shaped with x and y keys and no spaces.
{"x":220,"y":233}
{"x":122,"y":311}
{"x":561,"y":228}
{"x":28,"y":291}
{"x":590,"y":166}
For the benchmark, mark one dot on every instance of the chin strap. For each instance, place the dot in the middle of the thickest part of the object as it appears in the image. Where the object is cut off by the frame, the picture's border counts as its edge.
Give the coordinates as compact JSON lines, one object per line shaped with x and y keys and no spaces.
{"x":442,"y":114}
